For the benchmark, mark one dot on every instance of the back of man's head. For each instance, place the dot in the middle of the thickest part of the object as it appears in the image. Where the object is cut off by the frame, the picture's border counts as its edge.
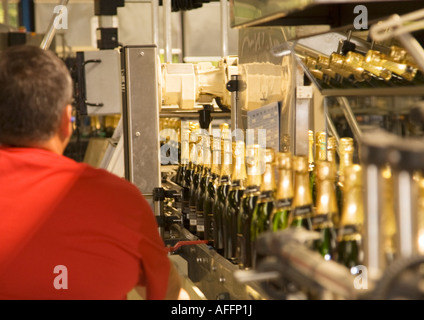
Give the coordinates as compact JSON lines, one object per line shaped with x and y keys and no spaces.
{"x":35,"y":87}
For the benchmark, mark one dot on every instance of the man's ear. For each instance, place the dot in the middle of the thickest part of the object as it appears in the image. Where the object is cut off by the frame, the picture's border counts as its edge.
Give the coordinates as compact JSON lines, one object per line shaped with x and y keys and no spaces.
{"x":66,"y":123}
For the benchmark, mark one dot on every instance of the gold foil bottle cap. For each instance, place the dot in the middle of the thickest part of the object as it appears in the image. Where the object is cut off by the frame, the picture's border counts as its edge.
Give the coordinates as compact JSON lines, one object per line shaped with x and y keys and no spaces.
{"x":353,"y":176}
{"x":321,"y":137}
{"x":311,"y":136}
{"x":300,"y":164}
{"x":325,"y":170}
{"x":331,"y":143}
{"x":337,"y":60}
{"x":323,"y":62}
{"x":239,"y":149}
{"x":346,"y":144}
{"x":284,"y":160}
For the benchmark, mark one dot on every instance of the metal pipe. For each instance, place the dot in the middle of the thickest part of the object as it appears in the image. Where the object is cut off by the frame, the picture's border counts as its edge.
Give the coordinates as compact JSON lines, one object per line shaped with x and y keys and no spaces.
{"x":51,"y":31}
{"x":372,"y":225}
{"x":224,"y":27}
{"x":155,"y":22}
{"x":167,"y":30}
{"x":407,"y":234}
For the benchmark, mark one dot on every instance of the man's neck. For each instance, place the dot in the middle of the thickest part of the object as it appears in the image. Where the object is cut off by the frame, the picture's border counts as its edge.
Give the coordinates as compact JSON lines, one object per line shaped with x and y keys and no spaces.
{"x":54,"y":144}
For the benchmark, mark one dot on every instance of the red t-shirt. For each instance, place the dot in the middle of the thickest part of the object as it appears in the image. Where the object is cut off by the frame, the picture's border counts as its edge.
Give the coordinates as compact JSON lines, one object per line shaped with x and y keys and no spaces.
{"x":95,"y":228}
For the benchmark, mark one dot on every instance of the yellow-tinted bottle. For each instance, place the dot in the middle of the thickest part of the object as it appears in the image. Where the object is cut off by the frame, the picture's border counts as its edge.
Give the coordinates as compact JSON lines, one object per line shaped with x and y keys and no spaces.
{"x":302,"y":209}
{"x":284,"y":196}
{"x":351,"y":223}
{"x":325,"y":210}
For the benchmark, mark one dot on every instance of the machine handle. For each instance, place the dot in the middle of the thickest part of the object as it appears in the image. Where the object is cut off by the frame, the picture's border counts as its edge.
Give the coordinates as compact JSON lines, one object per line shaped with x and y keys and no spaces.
{"x":83,"y":103}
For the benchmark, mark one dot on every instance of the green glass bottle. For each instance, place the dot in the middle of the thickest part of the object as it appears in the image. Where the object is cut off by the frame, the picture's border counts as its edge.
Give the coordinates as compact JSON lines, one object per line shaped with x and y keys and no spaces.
{"x":232,"y":210}
{"x":201,"y":189}
{"x":265,"y":203}
{"x":350,"y":231}
{"x":326,"y":207}
{"x":222,"y":189}
{"x":284,"y":196}
{"x":247,"y":205}
{"x":211,"y":188}
{"x":302,"y":208}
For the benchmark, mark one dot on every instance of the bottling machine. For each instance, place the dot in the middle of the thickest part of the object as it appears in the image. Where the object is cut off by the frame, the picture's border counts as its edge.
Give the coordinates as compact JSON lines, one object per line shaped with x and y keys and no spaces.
{"x":280,"y":81}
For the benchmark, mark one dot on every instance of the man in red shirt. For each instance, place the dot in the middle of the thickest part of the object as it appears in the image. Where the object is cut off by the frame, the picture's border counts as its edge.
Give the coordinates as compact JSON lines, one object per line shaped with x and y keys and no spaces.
{"x":67,"y":230}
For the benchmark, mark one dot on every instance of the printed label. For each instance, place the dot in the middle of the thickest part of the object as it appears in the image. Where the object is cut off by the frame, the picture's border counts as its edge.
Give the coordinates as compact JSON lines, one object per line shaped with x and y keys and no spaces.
{"x":302,"y":211}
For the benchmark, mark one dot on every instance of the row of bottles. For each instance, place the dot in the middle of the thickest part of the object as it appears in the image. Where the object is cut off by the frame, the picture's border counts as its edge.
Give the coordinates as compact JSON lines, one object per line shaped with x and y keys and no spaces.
{"x":232,"y":193}
{"x":372,"y":68}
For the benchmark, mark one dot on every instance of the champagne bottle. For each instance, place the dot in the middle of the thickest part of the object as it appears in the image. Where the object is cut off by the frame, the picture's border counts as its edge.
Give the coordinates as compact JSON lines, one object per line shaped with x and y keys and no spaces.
{"x":302,"y":209}
{"x":222,"y":189}
{"x":284,"y":195}
{"x":346,"y":148}
{"x":188,"y":177}
{"x":320,"y":155}
{"x":404,"y":70}
{"x":325,"y":210}
{"x":212,"y":186}
{"x":201,"y":189}
{"x":248,"y":204}
{"x":198,"y":168}
{"x":265,"y":203}
{"x":350,"y":231}
{"x":235,"y":194}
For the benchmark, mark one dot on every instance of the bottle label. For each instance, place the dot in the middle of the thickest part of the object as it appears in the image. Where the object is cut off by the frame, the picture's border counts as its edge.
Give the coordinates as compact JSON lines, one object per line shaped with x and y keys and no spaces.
{"x":200,"y":221}
{"x":224,"y":179}
{"x":283,"y":203}
{"x":265,"y":194}
{"x":252,"y":189}
{"x":348,"y":230}
{"x":192,"y":216}
{"x":321,"y":220}
{"x":302,"y":211}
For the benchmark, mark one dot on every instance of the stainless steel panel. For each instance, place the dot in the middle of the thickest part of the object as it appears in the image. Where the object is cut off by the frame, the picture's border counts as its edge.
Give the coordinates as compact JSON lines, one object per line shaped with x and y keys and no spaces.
{"x":103,"y":82}
{"x":141,"y":118}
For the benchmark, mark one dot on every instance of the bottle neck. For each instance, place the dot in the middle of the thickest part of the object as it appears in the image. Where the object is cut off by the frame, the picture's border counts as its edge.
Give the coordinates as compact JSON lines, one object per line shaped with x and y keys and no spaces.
{"x":302,"y":193}
{"x":346,"y":160}
{"x":285,"y":184}
{"x":226,"y":164}
{"x":239,"y":169}
{"x":326,"y":198}
{"x":268,"y":178}
{"x":353,"y":207}
{"x":311,"y":155}
{"x":216,"y":161}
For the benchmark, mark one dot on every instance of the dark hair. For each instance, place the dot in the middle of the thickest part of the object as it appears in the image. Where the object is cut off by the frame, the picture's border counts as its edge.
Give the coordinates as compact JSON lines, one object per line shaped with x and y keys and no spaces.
{"x":35,"y":87}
